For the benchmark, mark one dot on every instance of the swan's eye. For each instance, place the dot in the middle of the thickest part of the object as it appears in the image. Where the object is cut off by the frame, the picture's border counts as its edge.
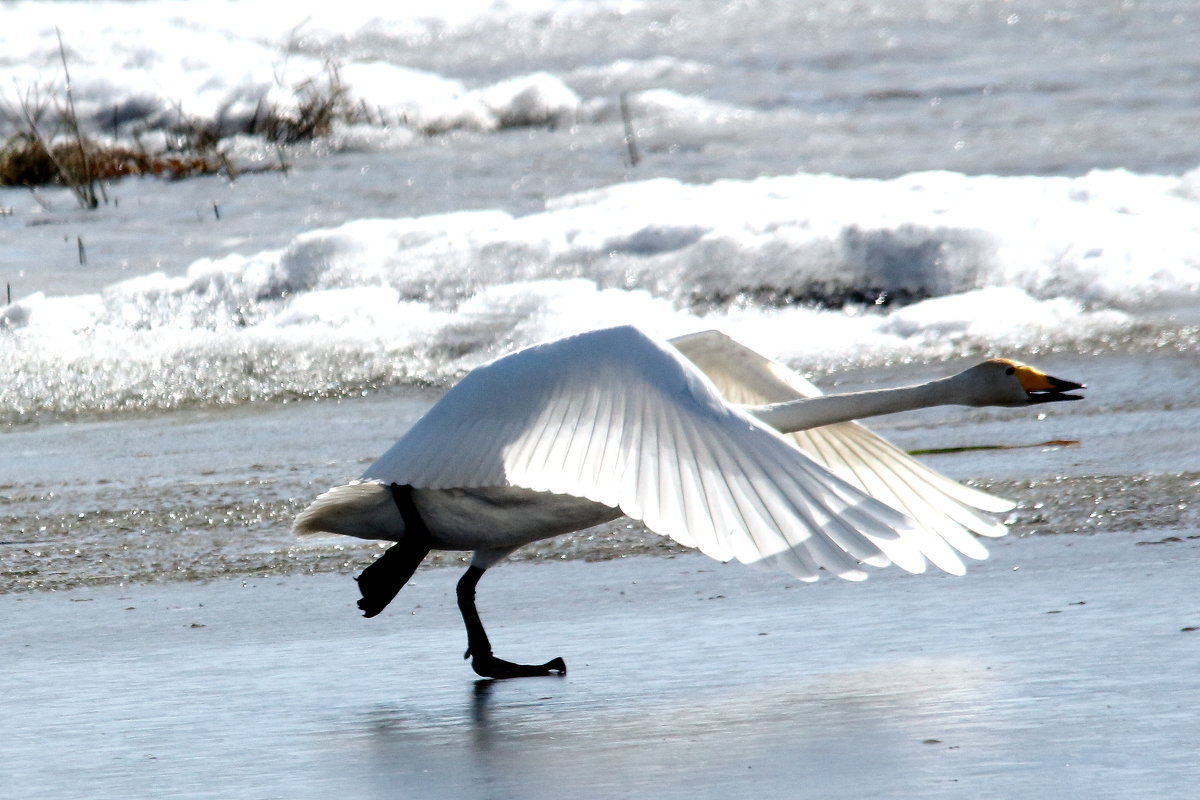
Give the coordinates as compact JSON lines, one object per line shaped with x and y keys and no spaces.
{"x":1010,"y":371}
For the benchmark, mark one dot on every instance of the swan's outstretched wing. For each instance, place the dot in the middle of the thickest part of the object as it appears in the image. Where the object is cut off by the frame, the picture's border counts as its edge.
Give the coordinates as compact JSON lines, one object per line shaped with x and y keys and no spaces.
{"x":942,"y":507}
{"x":620,"y":419}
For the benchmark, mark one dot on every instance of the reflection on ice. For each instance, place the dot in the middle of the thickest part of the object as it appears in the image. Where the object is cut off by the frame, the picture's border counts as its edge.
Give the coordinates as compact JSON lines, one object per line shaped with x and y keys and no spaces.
{"x":1060,"y":662}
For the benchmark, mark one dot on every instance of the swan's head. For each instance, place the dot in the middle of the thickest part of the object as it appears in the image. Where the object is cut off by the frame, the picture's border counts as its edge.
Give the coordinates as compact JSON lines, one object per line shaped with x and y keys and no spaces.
{"x":1004,"y":382}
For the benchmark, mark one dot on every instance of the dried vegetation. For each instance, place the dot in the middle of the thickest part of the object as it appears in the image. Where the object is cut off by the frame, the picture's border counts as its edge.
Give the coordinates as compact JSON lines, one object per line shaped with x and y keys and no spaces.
{"x":50,"y":147}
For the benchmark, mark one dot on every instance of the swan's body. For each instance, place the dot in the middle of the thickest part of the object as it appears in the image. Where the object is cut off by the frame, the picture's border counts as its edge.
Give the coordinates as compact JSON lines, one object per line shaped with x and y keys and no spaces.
{"x":686,"y":437}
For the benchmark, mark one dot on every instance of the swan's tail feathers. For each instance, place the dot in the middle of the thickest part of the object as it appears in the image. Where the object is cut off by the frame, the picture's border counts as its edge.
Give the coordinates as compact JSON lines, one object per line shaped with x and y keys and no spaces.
{"x":363,"y":509}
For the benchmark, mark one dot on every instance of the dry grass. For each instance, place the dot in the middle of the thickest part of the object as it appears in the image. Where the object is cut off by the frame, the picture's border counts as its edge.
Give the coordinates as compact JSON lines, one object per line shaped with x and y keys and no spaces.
{"x":50,"y":147}
{"x":320,"y":103}
{"x":26,"y":161}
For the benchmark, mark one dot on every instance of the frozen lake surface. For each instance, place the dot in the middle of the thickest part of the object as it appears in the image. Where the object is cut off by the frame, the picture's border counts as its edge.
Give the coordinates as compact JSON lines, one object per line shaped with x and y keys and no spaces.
{"x":1063,"y":666}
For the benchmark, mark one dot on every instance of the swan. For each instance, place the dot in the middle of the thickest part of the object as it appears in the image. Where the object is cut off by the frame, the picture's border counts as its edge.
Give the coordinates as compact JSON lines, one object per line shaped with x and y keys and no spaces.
{"x":700,"y":438}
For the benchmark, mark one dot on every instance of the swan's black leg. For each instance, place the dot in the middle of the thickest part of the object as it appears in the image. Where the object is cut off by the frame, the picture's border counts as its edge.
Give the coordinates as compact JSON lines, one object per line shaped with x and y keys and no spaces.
{"x":383,"y":579}
{"x":479,"y":649}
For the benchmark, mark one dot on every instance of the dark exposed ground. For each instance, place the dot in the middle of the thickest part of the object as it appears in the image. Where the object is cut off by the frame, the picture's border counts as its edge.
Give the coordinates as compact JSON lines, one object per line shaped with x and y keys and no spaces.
{"x":166,"y":537}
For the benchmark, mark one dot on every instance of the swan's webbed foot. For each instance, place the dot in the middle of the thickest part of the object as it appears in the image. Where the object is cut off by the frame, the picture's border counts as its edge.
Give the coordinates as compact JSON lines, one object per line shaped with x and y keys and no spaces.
{"x":384,"y":577}
{"x":479,"y":649}
{"x":488,"y":666}
{"x":382,"y":580}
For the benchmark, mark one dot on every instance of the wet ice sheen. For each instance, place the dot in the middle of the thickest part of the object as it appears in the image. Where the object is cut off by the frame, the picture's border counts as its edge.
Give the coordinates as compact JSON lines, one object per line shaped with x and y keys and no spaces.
{"x":1058,"y":665}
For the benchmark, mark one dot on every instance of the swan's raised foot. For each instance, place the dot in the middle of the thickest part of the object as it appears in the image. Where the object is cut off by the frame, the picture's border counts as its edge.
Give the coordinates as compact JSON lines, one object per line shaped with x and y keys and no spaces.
{"x":491,"y":667}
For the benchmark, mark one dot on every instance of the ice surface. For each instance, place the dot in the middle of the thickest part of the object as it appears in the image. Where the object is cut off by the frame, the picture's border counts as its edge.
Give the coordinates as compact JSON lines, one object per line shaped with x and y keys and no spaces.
{"x":1062,"y":666}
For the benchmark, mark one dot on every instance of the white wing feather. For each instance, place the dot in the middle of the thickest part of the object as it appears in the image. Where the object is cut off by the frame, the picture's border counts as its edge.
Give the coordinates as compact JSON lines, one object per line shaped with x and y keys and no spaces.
{"x":619,"y":419}
{"x":944,"y":509}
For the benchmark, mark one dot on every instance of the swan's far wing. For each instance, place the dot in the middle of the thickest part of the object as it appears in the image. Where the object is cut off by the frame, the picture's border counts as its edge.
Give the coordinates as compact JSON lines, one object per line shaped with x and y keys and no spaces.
{"x":620,"y":419}
{"x":941,"y":506}
{"x":740,"y":374}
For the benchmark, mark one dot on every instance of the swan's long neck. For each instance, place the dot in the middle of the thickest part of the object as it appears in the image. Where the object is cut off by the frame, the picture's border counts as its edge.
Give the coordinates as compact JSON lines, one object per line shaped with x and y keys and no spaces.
{"x":813,"y":412}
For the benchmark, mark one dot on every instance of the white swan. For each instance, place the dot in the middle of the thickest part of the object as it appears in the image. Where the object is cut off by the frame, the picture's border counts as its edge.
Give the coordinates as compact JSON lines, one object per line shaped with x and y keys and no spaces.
{"x":685,"y":437}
